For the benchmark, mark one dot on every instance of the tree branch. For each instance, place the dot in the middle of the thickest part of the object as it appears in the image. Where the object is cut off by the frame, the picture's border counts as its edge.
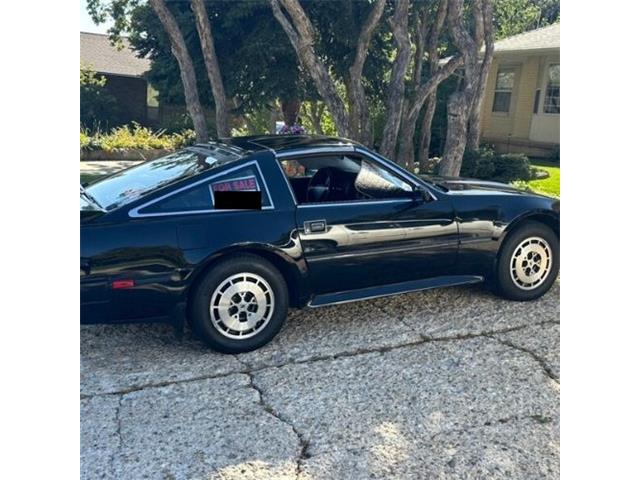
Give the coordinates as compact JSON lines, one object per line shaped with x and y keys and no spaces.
{"x":358,"y":112}
{"x":301,"y":35}
{"x":429,"y":87}
{"x":211,"y":63}
{"x":395,"y":99}
{"x":364,"y":39}
{"x":187,"y":70}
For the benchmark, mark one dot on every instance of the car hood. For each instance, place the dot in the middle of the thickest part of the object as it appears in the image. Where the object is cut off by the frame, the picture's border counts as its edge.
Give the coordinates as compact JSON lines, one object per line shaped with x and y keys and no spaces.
{"x":473,"y":185}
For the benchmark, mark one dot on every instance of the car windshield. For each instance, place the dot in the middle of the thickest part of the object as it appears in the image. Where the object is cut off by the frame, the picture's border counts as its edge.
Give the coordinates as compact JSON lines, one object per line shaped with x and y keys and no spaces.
{"x":132,"y":183}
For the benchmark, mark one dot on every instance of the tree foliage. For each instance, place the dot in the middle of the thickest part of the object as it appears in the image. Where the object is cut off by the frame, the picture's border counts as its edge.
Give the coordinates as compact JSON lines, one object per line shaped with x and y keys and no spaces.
{"x":517,"y":16}
{"x":98,"y":108}
{"x":262,"y":70}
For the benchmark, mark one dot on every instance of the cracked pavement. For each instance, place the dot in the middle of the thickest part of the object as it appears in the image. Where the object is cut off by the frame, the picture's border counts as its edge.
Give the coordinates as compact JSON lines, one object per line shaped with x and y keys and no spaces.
{"x":451,"y":383}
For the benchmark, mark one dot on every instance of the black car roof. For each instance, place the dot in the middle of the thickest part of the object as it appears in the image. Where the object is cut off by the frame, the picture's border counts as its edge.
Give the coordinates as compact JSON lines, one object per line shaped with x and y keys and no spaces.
{"x":280,"y":143}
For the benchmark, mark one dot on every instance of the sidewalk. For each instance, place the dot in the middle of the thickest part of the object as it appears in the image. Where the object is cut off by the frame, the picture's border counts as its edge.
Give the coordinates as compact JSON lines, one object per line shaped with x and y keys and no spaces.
{"x":105,"y":168}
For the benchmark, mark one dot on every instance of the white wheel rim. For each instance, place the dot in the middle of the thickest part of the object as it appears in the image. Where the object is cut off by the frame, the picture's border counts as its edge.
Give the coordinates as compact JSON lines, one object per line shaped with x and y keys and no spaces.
{"x":531,"y":263}
{"x":241,"y":306}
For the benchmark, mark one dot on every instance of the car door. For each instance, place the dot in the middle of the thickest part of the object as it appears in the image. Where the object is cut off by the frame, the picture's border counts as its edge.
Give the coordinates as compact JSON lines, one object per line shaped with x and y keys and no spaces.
{"x":356,"y":244}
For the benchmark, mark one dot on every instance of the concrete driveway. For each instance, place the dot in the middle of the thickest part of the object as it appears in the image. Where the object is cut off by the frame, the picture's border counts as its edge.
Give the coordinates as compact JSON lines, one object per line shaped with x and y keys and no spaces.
{"x":451,"y":383}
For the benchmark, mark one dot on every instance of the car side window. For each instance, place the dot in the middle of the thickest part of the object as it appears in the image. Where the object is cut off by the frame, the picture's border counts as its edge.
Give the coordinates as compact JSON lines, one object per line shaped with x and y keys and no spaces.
{"x":342,"y":178}
{"x":200,"y":197}
{"x":375,"y":182}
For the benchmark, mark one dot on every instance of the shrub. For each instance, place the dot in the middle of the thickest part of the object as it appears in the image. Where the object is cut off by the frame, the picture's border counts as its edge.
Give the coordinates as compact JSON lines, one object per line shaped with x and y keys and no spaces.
{"x":97,"y":105}
{"x":512,"y":166}
{"x":478,"y":163}
{"x":85,"y":139}
{"x":135,"y":137}
{"x":485,"y":164}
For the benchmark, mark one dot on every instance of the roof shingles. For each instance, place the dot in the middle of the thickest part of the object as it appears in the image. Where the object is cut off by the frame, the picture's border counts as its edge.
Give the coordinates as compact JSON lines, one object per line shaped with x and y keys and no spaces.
{"x":545,"y":38}
{"x":97,"y":52}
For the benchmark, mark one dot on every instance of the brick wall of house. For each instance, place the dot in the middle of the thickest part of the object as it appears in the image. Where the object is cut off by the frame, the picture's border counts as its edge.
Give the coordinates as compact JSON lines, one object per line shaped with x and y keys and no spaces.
{"x":131,"y":95}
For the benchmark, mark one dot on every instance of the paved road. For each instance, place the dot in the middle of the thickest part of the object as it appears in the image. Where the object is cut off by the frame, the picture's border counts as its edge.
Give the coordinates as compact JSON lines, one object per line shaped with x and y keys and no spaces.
{"x":442,"y":384}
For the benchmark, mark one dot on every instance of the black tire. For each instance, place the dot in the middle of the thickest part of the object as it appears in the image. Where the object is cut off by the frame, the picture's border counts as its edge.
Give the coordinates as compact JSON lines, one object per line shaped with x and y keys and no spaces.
{"x":506,"y":285}
{"x":202,"y":322}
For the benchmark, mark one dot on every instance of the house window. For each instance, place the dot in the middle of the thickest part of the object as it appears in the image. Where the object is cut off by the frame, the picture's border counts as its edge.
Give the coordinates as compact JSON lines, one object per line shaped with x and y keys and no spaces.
{"x":552,"y":94}
{"x":504,"y":88}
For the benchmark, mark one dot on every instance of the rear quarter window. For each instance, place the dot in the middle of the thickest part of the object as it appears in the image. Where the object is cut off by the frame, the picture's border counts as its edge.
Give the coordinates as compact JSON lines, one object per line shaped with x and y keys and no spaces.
{"x":200,"y":197}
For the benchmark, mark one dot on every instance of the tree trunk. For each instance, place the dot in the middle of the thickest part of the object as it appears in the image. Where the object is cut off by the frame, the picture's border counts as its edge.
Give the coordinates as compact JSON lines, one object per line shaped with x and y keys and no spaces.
{"x":290,"y":110}
{"x":213,"y":69}
{"x":431,"y":101}
{"x":461,"y":102}
{"x":359,"y":117}
{"x":473,"y":140}
{"x":301,"y":35}
{"x":475,"y":117}
{"x":457,"y":121}
{"x":187,"y":71}
{"x":406,"y":154}
{"x":315,"y":112}
{"x":395,"y":98}
{"x":412,"y":110}
{"x":425,"y":133}
{"x":427,"y":39}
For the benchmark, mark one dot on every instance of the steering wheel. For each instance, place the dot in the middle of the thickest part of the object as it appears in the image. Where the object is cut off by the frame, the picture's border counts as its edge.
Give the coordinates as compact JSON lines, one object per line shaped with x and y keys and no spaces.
{"x":323,"y":185}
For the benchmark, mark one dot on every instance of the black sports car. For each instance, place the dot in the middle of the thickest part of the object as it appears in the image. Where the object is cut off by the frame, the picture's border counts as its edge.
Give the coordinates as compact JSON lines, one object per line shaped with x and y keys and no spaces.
{"x":231,"y":234}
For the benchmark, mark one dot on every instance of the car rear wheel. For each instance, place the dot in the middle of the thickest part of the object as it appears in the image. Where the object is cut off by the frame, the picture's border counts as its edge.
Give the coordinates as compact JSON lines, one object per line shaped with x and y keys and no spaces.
{"x":529,"y":262}
{"x":240,"y":304}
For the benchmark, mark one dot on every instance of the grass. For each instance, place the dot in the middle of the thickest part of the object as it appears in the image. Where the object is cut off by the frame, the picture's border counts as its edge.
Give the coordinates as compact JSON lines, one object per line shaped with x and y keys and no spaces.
{"x":547,"y":186}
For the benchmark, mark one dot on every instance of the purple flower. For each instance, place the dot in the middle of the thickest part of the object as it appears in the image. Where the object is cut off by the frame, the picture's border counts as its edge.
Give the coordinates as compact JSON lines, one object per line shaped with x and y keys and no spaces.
{"x":294,"y":129}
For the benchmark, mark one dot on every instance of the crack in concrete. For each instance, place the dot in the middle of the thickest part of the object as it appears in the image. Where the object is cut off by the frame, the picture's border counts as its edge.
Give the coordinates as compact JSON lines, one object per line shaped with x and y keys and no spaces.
{"x":330,"y":357}
{"x":118,"y":449}
{"x":543,"y":363}
{"x":539,"y":418}
{"x":302,"y":443}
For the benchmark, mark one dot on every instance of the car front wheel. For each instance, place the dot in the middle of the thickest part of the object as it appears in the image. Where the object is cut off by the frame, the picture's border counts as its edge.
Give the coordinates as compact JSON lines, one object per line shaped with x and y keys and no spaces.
{"x":240,"y":304}
{"x":529,"y":262}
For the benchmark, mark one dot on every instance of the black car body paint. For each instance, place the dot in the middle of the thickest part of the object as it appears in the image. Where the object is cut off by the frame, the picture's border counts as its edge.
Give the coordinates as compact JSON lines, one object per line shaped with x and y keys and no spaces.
{"x":139,"y":263}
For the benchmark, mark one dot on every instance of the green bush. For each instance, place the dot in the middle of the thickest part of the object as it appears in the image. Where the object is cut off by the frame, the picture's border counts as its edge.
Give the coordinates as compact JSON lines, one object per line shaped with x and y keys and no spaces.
{"x":478,"y":163}
{"x":85,"y":139}
{"x":97,"y":105}
{"x":511,"y":166}
{"x":485,"y":164}
{"x":135,"y":137}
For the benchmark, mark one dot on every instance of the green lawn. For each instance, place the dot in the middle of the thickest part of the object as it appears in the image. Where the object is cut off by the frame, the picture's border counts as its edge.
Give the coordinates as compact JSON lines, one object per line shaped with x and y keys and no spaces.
{"x":548,"y":186}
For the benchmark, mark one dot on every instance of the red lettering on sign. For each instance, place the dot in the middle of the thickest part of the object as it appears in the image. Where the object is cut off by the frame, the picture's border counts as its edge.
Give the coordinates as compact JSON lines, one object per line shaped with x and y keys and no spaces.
{"x":244,"y":184}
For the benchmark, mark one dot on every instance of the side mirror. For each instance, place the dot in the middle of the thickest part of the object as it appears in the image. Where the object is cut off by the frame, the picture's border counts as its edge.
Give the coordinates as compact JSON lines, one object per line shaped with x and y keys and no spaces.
{"x":420,"y":194}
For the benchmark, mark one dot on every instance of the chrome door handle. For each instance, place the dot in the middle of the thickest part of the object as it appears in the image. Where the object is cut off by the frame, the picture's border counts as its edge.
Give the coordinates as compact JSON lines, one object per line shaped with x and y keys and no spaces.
{"x":315,"y":226}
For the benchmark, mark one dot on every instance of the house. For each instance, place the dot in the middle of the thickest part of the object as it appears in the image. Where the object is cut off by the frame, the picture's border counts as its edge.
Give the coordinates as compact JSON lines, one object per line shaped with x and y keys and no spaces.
{"x":521,"y":107}
{"x":124,"y":72}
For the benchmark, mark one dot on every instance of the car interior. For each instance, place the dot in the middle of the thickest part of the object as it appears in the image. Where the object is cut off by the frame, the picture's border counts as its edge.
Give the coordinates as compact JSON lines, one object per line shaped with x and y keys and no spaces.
{"x":341,"y":178}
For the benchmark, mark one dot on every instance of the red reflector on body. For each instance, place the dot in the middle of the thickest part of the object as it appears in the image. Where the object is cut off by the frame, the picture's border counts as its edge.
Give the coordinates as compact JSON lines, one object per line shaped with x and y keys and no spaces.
{"x":122,"y":284}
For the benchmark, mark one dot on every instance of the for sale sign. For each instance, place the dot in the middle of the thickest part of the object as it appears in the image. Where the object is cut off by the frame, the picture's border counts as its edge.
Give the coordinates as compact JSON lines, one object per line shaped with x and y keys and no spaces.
{"x":245,"y":184}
